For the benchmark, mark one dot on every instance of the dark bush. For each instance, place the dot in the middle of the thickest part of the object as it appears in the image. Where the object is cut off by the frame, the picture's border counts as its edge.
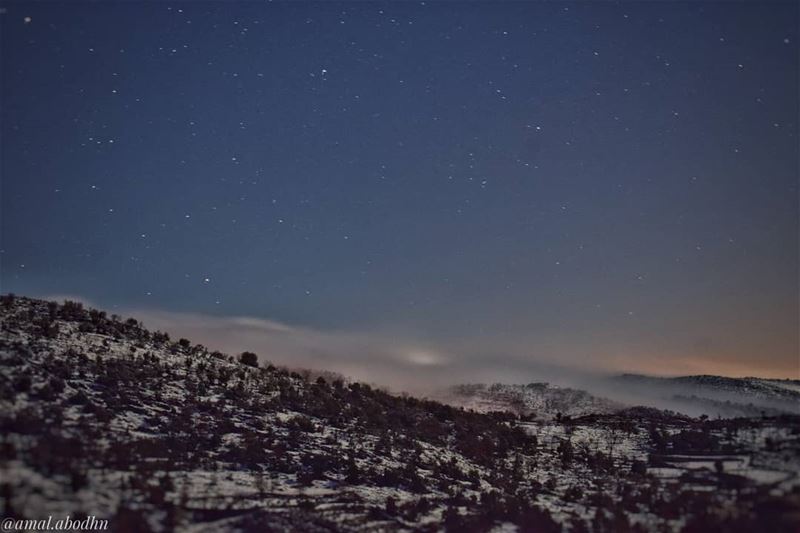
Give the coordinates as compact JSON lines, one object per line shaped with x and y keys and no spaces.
{"x":249,"y":359}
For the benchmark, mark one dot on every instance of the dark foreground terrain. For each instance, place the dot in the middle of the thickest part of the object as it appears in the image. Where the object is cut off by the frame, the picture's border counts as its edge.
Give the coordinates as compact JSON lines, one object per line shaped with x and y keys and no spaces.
{"x":101,"y":417}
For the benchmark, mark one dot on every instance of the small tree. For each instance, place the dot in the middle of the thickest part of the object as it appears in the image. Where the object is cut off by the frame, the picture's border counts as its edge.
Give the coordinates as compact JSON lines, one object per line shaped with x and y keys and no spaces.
{"x":249,"y":359}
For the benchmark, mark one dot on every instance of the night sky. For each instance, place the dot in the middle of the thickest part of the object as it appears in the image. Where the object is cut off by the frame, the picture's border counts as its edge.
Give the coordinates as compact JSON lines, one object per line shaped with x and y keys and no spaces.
{"x":609,"y":185}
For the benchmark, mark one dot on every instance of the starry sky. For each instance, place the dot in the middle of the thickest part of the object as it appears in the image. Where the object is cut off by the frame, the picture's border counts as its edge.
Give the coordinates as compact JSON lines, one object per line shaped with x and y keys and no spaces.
{"x":611,"y":185}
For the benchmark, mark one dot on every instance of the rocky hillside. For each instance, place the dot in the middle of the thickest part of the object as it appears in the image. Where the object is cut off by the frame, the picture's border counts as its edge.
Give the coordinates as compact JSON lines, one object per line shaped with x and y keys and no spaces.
{"x":102,"y":417}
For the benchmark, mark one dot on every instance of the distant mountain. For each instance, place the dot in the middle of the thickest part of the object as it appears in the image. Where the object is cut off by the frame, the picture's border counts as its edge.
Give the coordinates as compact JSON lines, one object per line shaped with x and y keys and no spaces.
{"x":710,"y":396}
{"x":715,"y":396}
{"x":101,"y":417}
{"x":535,"y":400}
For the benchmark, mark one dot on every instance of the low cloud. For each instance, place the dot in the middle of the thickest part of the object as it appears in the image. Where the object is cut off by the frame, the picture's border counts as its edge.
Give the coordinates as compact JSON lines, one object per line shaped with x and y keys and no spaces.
{"x":397,"y":361}
{"x":401,"y":362}
{"x":386,"y":360}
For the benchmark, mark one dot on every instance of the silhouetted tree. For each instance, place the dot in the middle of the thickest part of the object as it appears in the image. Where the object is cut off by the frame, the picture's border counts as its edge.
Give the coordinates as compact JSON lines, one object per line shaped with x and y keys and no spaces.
{"x":249,"y":359}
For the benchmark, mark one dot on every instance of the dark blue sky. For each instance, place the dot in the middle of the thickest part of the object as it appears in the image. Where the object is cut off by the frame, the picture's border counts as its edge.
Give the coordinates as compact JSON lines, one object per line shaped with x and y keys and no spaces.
{"x":607,"y":181}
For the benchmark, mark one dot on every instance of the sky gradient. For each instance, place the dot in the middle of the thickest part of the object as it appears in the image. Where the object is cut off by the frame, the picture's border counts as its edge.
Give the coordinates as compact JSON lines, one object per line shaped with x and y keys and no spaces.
{"x":494,"y":185}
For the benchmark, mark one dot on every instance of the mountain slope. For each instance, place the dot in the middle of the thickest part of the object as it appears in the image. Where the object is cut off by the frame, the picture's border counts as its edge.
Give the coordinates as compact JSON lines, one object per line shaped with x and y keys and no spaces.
{"x":102,"y":417}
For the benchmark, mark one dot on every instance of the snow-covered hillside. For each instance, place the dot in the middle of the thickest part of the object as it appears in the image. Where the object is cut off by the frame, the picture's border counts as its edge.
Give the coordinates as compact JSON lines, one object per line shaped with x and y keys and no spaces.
{"x":102,"y":417}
